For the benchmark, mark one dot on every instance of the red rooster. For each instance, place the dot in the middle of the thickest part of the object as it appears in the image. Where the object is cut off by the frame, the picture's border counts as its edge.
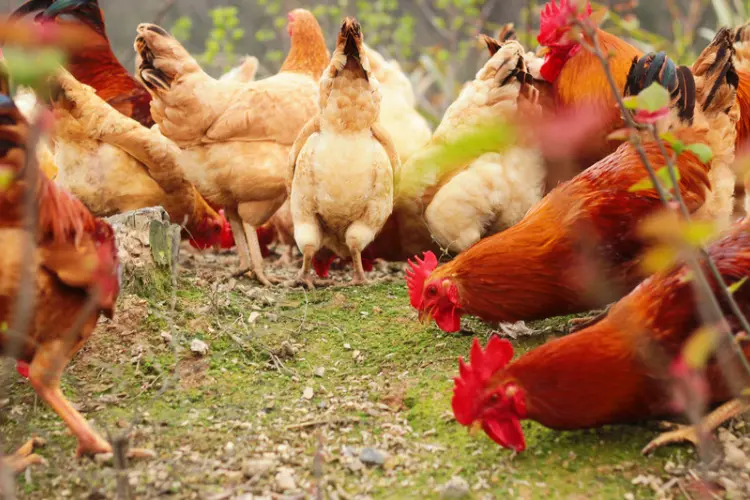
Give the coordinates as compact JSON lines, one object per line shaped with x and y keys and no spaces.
{"x":538,"y":268}
{"x":608,"y":373}
{"x":76,"y":280}
{"x":576,"y":76}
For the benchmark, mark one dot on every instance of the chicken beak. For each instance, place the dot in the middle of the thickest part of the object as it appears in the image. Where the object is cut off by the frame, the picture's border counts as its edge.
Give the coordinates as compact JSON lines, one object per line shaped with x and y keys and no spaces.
{"x":425,"y":316}
{"x":475,"y":428}
{"x":542,"y":51}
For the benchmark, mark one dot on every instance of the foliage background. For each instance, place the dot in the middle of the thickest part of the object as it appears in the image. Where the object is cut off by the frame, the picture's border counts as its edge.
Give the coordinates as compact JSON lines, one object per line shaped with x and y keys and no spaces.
{"x":434,"y":40}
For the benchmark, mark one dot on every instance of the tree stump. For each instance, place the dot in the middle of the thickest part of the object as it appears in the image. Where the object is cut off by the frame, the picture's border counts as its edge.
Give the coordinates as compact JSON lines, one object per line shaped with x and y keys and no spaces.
{"x":148,"y":246}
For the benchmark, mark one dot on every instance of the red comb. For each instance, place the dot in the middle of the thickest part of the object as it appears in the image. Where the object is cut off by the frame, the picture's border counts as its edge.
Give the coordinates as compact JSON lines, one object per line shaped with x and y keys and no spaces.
{"x":416,"y":275}
{"x":22,"y":368}
{"x":473,"y":377}
{"x":322,"y":264}
{"x":555,"y":16}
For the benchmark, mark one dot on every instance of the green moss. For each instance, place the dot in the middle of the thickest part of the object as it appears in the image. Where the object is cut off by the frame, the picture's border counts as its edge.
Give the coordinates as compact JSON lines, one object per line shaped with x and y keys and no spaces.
{"x":240,"y":382}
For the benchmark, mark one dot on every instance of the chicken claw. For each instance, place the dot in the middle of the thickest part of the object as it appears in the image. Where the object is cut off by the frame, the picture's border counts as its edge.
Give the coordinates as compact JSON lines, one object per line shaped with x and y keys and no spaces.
{"x":25,"y":456}
{"x":690,"y":434}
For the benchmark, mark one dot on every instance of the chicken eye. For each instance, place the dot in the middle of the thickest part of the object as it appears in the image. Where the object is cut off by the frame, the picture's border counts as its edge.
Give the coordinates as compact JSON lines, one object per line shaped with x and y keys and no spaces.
{"x":431,"y":291}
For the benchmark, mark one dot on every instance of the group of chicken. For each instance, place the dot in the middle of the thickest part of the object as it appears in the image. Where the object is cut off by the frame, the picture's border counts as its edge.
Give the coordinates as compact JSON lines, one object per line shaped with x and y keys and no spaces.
{"x":331,"y":155}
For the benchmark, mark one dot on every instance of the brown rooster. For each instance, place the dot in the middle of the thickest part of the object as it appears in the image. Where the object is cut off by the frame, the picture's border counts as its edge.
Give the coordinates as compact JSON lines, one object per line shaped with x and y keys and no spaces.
{"x":76,"y":279}
{"x":95,"y":64}
{"x":538,"y":268}
{"x":609,"y":373}
{"x":576,"y":76}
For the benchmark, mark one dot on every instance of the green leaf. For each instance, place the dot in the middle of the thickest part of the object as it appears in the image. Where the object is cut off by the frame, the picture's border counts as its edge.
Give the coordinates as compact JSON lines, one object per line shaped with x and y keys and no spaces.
{"x":662,"y":174}
{"x":699,"y":347}
{"x":6,"y":177}
{"x":631,"y":102}
{"x":677,"y":145}
{"x":659,"y":258}
{"x":32,"y":68}
{"x":698,"y":232}
{"x":702,"y":151}
{"x":653,"y":98}
{"x":736,"y":285}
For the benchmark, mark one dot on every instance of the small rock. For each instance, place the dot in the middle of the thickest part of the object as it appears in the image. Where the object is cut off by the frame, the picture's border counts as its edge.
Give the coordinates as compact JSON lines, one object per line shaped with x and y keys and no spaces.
{"x":229,"y":448}
{"x":457,"y":487}
{"x":287,"y":349}
{"x":319,"y":372}
{"x":166,"y":337}
{"x":348,"y":347}
{"x":285,"y":480}
{"x":735,"y":457}
{"x":308,"y":393}
{"x":259,"y":467}
{"x":198,"y":347}
{"x":323,"y":404}
{"x":103,"y":458}
{"x":253,"y":317}
{"x":629,"y":496}
{"x":371,"y":456}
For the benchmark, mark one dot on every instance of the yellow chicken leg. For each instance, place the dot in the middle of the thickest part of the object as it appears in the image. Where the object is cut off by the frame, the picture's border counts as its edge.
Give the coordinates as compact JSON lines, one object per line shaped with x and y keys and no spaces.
{"x":359,"y":271}
{"x":25,"y":456}
{"x":45,"y":371}
{"x":303,"y":276}
{"x":256,"y":257}
{"x":690,"y":434}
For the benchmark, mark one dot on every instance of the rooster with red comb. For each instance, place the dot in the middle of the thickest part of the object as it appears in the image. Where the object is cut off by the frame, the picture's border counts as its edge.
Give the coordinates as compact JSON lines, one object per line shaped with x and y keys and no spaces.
{"x":611,"y":372}
{"x":576,"y":75}
{"x":541,"y":267}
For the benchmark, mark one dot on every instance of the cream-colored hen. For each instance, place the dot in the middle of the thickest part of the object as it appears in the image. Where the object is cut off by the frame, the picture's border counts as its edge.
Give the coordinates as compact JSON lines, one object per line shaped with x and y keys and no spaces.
{"x":342,"y":192}
{"x":237,"y":136}
{"x":494,"y":191}
{"x":113,"y":164}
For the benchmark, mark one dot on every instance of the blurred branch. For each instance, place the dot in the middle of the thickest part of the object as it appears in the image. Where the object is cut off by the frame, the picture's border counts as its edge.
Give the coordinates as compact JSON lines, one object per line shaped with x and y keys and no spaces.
{"x":26,"y":298}
{"x":709,"y":306}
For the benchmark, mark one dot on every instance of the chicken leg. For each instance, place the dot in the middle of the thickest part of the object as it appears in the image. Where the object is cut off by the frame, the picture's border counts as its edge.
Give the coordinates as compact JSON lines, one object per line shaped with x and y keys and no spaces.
{"x":45,"y":372}
{"x":25,"y":456}
{"x":303,"y":277}
{"x":359,"y":271}
{"x":690,"y":433}
{"x":256,"y":257}
{"x":239,"y":238}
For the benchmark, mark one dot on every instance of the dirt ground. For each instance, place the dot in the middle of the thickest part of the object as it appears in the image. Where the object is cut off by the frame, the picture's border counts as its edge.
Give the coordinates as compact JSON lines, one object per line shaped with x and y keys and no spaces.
{"x":245,"y":392}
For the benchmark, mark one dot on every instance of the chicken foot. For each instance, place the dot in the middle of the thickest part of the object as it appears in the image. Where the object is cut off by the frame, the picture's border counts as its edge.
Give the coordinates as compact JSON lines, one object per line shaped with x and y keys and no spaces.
{"x":45,"y":372}
{"x":25,"y":456}
{"x":359,"y":271}
{"x":239,"y":238}
{"x":691,"y":433}
{"x":303,"y":276}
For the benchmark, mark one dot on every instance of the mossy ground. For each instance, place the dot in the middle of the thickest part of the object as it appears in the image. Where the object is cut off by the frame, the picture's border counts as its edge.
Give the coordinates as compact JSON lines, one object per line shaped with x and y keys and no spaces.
{"x":386,"y":383}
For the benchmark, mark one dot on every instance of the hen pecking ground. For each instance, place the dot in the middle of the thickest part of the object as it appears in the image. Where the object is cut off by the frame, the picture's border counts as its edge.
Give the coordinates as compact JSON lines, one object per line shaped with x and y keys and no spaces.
{"x":243,"y":391}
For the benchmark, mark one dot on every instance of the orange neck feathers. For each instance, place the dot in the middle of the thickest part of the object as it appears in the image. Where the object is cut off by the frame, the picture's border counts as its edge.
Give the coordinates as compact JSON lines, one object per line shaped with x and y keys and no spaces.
{"x":582,"y":79}
{"x":743,"y":97}
{"x":99,"y":68}
{"x":61,"y":216}
{"x":308,"y":54}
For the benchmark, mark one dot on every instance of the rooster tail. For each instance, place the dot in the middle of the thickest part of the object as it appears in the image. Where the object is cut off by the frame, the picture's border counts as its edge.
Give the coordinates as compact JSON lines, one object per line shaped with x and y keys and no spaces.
{"x":31,"y":6}
{"x":715,"y":75}
{"x":658,"y":68}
